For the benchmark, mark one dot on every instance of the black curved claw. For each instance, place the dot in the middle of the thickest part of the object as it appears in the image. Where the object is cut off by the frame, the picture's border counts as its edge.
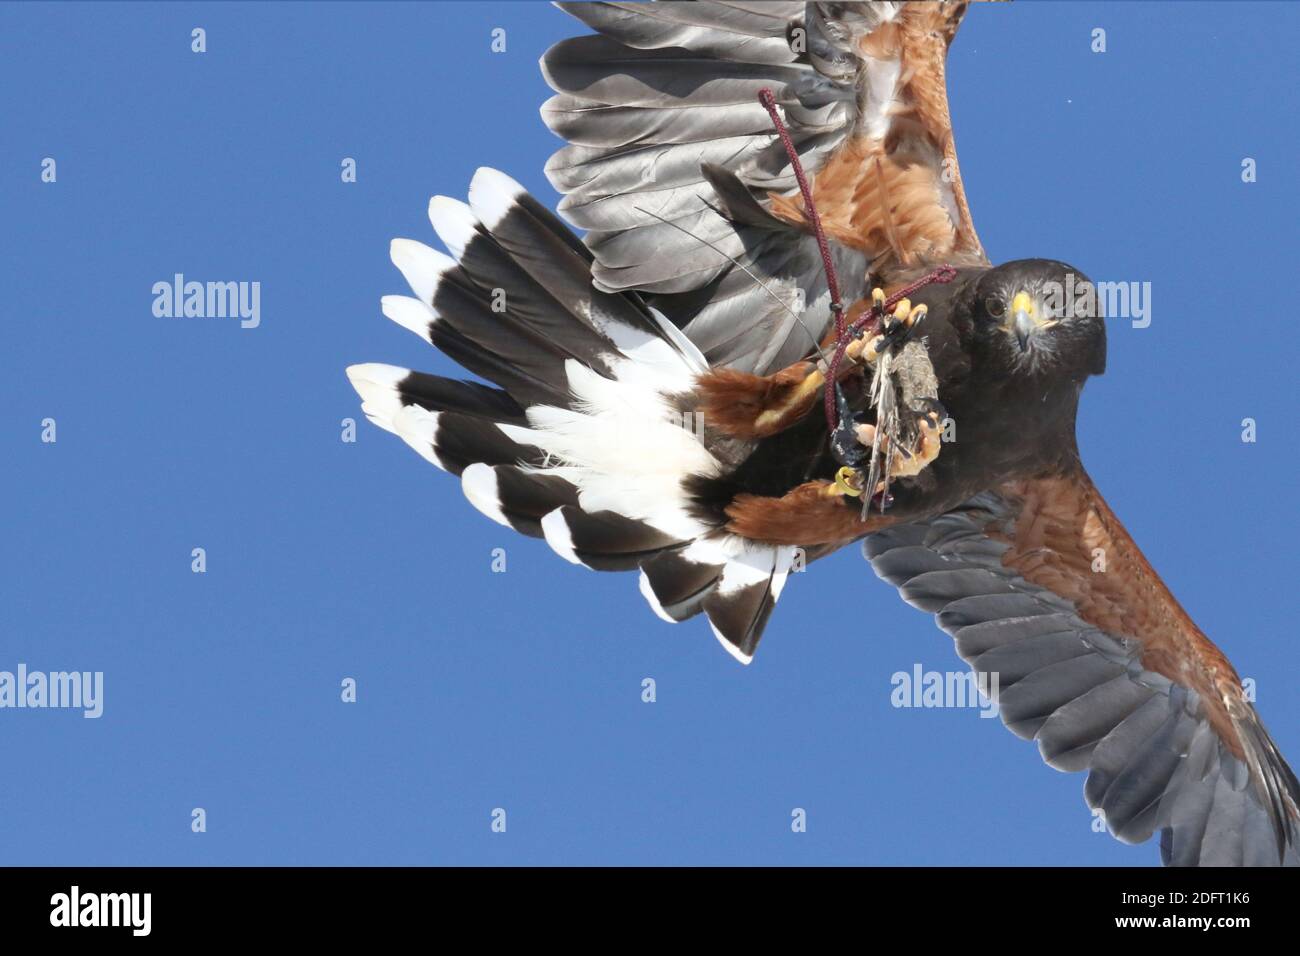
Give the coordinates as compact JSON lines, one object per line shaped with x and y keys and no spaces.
{"x":844,"y":441}
{"x":931,"y":406}
{"x":898,"y":334}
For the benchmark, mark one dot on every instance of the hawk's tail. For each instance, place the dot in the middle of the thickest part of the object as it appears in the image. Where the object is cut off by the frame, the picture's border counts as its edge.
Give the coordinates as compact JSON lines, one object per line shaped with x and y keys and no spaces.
{"x":585,"y":441}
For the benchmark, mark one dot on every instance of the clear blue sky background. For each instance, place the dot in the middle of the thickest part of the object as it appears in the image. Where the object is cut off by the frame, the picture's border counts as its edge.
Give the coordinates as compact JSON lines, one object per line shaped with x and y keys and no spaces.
{"x":522,"y":690}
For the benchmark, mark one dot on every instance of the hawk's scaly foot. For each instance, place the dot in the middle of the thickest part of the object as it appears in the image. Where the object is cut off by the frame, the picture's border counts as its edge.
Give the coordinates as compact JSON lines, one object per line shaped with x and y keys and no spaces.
{"x":896,"y":329}
{"x":906,"y":462}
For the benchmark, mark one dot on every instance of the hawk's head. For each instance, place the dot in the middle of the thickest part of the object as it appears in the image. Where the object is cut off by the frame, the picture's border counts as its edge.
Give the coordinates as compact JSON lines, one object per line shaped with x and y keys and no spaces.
{"x":1040,"y":316}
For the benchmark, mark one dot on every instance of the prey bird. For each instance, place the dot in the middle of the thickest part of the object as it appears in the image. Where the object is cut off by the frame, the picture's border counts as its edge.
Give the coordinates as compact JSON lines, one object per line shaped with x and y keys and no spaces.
{"x":780,"y":335}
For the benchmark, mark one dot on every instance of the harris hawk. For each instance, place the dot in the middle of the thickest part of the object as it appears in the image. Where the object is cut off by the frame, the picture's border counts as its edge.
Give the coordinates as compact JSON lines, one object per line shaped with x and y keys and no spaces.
{"x":751,"y":358}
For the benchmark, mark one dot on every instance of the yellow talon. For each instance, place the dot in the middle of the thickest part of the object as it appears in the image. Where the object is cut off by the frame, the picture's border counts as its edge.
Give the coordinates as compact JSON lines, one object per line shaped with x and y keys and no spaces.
{"x":867,"y":350}
{"x":859,"y":348}
{"x":842,"y":482}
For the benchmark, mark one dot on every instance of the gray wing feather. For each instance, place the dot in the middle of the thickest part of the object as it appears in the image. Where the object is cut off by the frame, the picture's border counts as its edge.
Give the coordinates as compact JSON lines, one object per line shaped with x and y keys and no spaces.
{"x":665,"y":90}
{"x":1153,"y":760}
{"x":754,"y":32}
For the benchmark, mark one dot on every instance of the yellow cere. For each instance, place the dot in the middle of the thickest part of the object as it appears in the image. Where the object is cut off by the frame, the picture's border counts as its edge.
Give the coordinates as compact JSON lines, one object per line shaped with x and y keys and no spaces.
{"x":1022,"y":303}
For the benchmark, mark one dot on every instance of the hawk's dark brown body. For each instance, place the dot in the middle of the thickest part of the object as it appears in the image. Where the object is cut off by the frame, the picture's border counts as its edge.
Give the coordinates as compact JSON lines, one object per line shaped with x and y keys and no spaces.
{"x":1012,"y":416}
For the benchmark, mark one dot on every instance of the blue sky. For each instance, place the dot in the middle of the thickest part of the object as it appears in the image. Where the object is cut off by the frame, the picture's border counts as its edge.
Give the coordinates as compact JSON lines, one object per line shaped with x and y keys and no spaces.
{"x":522,"y":690}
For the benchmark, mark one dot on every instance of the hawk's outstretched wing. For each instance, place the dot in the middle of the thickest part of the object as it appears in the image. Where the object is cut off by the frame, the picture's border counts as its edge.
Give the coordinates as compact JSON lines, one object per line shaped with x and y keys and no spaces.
{"x":661,"y":111}
{"x":1040,"y":584}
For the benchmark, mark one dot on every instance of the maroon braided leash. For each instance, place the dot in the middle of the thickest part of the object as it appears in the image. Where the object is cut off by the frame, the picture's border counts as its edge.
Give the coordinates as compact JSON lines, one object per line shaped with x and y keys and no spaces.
{"x":837,"y":307}
{"x":843,"y":335}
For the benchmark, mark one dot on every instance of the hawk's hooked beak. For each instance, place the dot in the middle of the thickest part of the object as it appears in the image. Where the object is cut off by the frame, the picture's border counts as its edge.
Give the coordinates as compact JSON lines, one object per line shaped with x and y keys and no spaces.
{"x":1023,"y":319}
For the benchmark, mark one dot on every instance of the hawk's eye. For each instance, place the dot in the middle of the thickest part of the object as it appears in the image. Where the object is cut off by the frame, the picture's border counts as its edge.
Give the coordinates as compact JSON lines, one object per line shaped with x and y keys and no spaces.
{"x":995,"y":307}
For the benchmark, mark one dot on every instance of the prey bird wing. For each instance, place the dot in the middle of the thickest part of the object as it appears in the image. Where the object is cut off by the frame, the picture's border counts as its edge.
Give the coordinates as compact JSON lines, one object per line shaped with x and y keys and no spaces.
{"x":661,"y":112}
{"x":1041,"y":588}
